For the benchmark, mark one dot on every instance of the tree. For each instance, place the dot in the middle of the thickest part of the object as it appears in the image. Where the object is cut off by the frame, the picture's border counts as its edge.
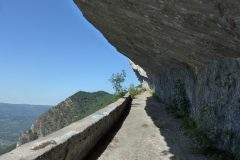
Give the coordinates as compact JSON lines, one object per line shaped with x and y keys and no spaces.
{"x":117,"y":80}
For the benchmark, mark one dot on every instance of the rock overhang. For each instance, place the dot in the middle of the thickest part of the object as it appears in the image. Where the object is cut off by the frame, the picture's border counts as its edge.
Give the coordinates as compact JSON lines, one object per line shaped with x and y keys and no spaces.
{"x":194,"y":41}
{"x":161,"y":35}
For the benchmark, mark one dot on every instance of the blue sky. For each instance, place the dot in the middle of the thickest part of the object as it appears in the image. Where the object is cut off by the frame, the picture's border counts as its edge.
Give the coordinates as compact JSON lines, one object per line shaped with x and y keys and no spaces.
{"x":48,"y":51}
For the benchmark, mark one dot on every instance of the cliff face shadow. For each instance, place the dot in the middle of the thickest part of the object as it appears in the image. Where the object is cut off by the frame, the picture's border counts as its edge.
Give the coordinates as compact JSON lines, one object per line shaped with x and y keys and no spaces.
{"x":179,"y":144}
{"x":103,"y":143}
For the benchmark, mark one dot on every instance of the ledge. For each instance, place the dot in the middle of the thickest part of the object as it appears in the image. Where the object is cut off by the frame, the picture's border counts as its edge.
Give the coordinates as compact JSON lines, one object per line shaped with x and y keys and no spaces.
{"x":74,"y":141}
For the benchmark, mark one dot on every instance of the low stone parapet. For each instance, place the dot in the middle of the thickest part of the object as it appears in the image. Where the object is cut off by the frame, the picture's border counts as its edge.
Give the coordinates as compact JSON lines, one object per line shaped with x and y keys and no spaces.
{"x":72,"y":142}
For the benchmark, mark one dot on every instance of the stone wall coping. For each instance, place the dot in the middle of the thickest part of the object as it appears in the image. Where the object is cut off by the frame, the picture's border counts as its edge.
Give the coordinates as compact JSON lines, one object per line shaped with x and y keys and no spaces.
{"x":36,"y":148}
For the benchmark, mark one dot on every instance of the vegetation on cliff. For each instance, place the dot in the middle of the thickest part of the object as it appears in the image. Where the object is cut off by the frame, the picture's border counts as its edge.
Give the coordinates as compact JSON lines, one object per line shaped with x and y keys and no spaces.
{"x":180,"y":105}
{"x":201,"y":131}
{"x":134,"y":91}
{"x":72,"y":109}
{"x":117,"y":81}
{"x":88,"y":103}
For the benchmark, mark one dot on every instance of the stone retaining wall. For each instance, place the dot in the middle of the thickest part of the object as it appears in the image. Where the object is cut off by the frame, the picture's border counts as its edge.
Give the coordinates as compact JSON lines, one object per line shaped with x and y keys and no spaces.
{"x":74,"y":141}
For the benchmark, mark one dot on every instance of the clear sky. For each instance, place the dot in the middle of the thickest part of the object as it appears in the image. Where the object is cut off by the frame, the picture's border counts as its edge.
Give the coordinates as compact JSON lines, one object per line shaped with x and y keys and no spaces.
{"x":48,"y":51}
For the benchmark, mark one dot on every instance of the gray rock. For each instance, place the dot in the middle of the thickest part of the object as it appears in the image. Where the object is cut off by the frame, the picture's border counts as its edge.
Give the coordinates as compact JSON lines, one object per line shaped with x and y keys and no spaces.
{"x":141,"y":74}
{"x":196,"y":41}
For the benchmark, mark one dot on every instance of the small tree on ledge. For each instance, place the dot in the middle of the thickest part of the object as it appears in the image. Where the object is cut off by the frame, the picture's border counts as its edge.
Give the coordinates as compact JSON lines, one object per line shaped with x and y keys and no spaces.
{"x":117,"y":80}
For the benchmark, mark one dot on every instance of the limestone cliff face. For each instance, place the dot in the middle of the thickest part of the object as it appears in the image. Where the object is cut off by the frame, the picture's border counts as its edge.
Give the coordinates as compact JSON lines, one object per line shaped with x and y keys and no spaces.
{"x":72,"y":109}
{"x":196,"y":41}
{"x":141,"y":74}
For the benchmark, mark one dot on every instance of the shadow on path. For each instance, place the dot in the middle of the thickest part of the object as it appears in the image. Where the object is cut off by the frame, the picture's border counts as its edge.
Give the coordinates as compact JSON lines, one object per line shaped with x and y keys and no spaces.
{"x":180,"y":145}
{"x":148,"y":118}
{"x":103,"y":143}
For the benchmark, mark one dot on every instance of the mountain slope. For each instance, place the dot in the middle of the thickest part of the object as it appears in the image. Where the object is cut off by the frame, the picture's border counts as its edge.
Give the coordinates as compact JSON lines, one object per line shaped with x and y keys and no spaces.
{"x":72,"y":109}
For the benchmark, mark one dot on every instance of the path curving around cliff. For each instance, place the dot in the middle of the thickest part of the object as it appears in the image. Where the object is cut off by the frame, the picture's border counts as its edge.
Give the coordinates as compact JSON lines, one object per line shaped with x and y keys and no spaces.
{"x":146,"y":133}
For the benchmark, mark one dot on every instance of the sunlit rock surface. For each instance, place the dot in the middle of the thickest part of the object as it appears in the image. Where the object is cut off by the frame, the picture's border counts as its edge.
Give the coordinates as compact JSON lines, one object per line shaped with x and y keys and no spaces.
{"x":141,"y":74}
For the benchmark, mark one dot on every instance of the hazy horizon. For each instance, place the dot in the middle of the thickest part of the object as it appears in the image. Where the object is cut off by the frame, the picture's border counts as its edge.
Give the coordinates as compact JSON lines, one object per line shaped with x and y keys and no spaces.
{"x":49,"y":52}
{"x":47,"y":104}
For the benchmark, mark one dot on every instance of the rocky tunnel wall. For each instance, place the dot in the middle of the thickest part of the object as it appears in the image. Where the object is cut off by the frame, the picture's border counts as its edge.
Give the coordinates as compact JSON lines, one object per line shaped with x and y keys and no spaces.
{"x":214,"y":94}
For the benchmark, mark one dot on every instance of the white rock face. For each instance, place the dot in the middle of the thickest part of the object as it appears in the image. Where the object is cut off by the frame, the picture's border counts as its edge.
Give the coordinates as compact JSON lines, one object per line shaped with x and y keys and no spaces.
{"x":141,"y":74}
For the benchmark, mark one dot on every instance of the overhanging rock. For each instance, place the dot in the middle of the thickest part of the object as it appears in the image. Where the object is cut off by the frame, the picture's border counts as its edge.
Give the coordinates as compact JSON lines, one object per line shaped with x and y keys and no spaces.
{"x":196,"y":42}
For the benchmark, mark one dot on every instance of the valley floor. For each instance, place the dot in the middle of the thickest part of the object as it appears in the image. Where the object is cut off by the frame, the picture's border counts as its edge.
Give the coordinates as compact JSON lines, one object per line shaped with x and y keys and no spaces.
{"x":147,"y":133}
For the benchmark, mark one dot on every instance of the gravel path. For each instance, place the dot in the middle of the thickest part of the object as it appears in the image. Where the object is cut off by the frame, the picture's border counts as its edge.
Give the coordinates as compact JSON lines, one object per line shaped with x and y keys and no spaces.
{"x":148,"y":133}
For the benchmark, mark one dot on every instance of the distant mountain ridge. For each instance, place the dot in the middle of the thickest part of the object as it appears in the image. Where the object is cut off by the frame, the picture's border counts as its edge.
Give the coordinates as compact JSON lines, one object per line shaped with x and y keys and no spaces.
{"x":23,"y":104}
{"x":72,"y":109}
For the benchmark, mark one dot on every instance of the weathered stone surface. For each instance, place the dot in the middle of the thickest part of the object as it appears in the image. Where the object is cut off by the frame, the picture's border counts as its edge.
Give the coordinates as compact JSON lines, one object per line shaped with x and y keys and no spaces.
{"x":141,"y":74}
{"x":214,"y":92}
{"x":196,"y":41}
{"x":72,"y":142}
{"x":160,"y":34}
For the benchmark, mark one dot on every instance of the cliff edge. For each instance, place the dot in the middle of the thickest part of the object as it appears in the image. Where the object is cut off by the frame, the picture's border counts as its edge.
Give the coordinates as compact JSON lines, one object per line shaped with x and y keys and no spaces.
{"x":72,"y":109}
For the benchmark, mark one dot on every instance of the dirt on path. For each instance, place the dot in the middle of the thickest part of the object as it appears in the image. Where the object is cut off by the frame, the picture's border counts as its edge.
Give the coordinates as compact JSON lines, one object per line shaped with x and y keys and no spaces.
{"x":147,"y":133}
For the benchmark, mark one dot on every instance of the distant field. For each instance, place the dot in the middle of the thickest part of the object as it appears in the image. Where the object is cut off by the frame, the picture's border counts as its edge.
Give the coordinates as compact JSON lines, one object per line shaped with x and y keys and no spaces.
{"x":15,"y":119}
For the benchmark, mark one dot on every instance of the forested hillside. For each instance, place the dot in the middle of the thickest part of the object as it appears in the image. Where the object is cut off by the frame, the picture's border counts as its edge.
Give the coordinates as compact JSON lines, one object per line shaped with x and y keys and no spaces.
{"x":72,"y":109}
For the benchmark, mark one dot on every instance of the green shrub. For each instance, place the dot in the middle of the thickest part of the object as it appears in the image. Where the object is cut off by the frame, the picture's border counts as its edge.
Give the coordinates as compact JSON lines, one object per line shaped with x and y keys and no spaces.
{"x":202,"y":132}
{"x":133,"y":91}
{"x":159,"y":99}
{"x":152,"y":91}
{"x":202,"y":135}
{"x":120,"y":94}
{"x":189,"y":124}
{"x":193,"y":127}
{"x":237,"y":156}
{"x":117,"y":80}
{"x":202,"y":140}
{"x":198,"y":132}
{"x":180,"y":104}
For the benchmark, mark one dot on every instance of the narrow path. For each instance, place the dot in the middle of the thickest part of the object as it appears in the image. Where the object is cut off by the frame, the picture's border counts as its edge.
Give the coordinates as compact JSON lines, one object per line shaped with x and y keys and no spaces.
{"x":147,"y":133}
